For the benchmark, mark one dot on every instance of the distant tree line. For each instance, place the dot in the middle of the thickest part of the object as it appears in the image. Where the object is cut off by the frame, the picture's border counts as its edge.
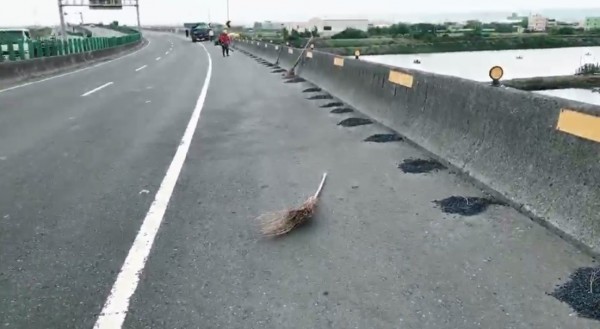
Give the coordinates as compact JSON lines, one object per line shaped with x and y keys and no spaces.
{"x":429,"y":31}
{"x":295,"y":35}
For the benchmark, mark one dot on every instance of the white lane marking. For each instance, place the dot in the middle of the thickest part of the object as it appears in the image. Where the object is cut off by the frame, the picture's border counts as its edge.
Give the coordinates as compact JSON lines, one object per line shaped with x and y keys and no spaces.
{"x":158,"y":58}
{"x":73,"y":72}
{"x":141,"y":68}
{"x":117,"y":304}
{"x":166,"y":52}
{"x":96,"y":89}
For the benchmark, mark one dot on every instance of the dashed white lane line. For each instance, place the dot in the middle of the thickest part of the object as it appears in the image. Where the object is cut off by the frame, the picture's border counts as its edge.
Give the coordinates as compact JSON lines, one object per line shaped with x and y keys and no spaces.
{"x":141,"y":68}
{"x":117,"y":304}
{"x":166,"y":52}
{"x":73,"y":72}
{"x":96,"y":89}
{"x":158,"y":58}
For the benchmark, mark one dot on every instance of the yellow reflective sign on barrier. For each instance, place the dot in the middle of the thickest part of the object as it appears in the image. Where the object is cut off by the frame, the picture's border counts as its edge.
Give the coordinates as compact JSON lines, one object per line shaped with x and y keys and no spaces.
{"x":400,"y":78}
{"x":338,"y":61}
{"x":579,"y":124}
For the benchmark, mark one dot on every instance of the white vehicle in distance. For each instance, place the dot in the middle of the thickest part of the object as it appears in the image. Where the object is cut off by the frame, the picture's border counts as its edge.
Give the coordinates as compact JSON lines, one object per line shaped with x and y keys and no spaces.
{"x":19,"y":38}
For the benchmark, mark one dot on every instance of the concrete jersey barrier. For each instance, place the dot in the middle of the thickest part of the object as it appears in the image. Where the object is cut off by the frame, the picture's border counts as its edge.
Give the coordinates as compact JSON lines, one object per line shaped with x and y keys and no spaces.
{"x":542,"y":153}
{"x":27,"y":69}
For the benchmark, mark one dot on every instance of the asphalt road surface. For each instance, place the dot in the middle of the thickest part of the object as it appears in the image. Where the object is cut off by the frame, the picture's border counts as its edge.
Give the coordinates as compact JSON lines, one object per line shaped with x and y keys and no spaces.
{"x":83,"y":157}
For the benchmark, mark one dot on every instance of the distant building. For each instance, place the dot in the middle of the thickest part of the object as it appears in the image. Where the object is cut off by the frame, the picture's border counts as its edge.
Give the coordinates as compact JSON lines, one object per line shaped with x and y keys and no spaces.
{"x":514,"y":17}
{"x":537,"y":23}
{"x":455,"y":26}
{"x":269,"y":26}
{"x":592,"y":23}
{"x":384,"y":25}
{"x":571,"y":24}
{"x":329,"y":27}
{"x":380,"y":24}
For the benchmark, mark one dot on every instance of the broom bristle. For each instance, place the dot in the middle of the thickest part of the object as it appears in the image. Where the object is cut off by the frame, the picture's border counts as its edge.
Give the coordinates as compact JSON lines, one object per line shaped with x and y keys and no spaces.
{"x":290,"y":74}
{"x":282,"y":222}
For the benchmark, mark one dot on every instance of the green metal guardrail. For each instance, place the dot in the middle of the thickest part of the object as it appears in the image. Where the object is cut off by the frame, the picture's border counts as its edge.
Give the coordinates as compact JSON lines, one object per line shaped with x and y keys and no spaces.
{"x":23,"y":50}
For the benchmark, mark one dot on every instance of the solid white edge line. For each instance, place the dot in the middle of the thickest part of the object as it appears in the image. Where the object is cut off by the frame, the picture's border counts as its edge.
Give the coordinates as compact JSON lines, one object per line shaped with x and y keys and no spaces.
{"x":117,"y":304}
{"x":158,"y":58}
{"x":96,"y":89}
{"x":73,"y":72}
{"x":141,"y":68}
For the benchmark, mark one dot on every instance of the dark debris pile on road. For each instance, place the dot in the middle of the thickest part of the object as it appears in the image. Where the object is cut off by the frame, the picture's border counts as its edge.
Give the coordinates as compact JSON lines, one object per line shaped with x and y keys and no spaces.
{"x":320,"y":97}
{"x":333,"y":104}
{"x":341,"y":110}
{"x":311,"y":90}
{"x":582,"y":292}
{"x":465,"y":206}
{"x":420,"y":166}
{"x":294,"y":80}
{"x":384,"y":138}
{"x":353,"y":122}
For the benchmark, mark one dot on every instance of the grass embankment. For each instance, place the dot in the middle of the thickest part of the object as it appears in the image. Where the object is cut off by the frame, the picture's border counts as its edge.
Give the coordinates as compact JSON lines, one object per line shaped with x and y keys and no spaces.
{"x":382,"y":46}
{"x":557,"y":82}
{"x":407,"y":45}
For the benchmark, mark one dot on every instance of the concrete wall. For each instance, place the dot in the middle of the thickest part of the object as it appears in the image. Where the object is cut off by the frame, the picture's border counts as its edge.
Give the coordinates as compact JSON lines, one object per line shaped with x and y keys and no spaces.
{"x":541,"y":153}
{"x":15,"y":71}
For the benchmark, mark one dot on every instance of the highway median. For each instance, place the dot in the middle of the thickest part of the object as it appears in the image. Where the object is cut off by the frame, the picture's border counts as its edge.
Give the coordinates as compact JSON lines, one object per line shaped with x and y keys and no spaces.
{"x":70,"y":56}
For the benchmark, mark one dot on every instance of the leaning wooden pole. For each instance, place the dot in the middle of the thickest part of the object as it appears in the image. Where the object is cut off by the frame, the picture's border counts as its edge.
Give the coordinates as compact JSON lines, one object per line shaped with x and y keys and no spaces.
{"x":292,"y":72}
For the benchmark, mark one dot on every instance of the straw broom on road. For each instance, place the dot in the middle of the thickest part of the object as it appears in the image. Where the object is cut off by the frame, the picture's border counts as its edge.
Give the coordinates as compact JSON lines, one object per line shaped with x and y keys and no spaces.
{"x":282,"y":222}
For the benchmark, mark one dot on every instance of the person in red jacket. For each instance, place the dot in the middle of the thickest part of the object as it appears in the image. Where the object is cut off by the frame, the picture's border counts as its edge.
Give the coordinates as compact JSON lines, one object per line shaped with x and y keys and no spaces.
{"x":224,"y":40}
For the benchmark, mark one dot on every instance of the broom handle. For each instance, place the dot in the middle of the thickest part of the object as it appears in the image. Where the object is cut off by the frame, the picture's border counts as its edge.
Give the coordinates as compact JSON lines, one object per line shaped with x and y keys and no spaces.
{"x":320,"y":186}
{"x":302,"y":53}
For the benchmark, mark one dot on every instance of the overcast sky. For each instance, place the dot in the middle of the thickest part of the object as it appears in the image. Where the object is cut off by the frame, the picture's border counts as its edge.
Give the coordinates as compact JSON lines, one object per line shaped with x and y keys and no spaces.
{"x":45,"y":12}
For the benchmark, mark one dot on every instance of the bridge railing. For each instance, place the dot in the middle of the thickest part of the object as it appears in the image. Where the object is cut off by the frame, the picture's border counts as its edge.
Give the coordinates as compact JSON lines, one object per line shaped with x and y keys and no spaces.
{"x":19,"y":49}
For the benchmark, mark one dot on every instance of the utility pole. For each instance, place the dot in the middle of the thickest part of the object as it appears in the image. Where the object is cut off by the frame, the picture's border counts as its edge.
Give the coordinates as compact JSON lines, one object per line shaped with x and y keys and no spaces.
{"x":137,"y":8}
{"x":63,"y":30}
